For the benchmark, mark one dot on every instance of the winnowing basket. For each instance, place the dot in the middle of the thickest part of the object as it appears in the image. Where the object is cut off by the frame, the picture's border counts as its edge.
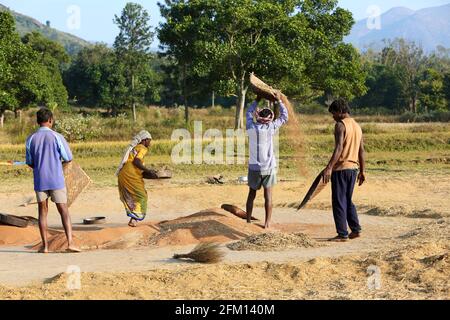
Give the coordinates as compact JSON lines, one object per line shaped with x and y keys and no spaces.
{"x":261,"y":88}
{"x":76,"y":181}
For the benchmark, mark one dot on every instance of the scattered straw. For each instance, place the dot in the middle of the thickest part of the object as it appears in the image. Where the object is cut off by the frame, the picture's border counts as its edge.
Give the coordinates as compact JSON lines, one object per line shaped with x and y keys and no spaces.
{"x":273,"y":241}
{"x":297,"y":139}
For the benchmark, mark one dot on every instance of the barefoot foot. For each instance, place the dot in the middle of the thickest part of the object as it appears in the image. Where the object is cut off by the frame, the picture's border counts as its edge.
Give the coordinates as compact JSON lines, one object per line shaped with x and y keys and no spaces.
{"x":132,"y":223}
{"x":43,"y":250}
{"x":73,"y":249}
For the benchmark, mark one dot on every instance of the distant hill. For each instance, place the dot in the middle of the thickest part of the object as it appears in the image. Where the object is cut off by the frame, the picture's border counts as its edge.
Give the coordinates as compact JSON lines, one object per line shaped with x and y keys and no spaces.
{"x":427,"y":27}
{"x":25,"y":24}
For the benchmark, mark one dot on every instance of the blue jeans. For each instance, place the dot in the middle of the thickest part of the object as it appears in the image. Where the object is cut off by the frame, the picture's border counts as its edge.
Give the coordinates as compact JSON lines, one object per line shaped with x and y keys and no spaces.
{"x":344,"y":211}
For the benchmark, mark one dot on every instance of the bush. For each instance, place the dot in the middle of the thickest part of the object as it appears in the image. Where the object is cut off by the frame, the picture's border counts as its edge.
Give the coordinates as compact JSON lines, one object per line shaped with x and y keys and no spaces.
{"x":174,"y":122}
{"x":77,"y":128}
{"x":215,"y":111}
{"x":314,"y":108}
{"x":408,"y":117}
{"x":157,"y":114}
{"x":372,"y":111}
{"x":433,"y":116}
{"x":440,"y":116}
{"x":18,"y":131}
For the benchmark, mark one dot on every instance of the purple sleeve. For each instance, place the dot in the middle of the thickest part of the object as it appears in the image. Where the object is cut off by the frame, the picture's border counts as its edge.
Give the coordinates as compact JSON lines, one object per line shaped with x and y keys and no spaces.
{"x":283,"y":118}
{"x":28,"y":155}
{"x":64,"y":149}
{"x":249,"y":114}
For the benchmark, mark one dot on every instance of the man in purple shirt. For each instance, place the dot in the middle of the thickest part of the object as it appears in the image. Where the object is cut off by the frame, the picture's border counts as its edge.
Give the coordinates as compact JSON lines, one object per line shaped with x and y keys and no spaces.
{"x":45,"y":151}
{"x":262,"y":167}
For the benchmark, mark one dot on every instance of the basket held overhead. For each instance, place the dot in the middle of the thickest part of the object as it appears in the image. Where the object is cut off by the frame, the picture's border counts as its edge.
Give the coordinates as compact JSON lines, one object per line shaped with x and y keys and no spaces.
{"x":262,"y":89}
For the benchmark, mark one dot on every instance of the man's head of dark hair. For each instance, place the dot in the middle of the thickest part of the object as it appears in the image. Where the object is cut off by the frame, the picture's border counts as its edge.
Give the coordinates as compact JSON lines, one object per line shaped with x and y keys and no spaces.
{"x":339,"y":106}
{"x":264,"y":113}
{"x":44,"y":115}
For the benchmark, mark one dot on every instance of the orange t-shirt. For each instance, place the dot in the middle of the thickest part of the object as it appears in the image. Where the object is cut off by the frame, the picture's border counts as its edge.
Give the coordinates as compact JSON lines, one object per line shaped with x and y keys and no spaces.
{"x":352,"y":141}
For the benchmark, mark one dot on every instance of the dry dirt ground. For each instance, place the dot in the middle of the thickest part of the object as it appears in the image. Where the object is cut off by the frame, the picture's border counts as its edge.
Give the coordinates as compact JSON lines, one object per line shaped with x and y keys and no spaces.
{"x":403,"y":252}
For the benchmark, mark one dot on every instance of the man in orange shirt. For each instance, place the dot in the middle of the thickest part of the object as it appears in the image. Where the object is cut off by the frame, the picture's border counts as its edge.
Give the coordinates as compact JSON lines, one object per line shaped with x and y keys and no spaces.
{"x":342,"y":170}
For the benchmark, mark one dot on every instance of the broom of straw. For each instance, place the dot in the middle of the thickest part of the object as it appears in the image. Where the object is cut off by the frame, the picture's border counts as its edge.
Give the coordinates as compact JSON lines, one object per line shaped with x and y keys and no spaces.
{"x":205,"y":252}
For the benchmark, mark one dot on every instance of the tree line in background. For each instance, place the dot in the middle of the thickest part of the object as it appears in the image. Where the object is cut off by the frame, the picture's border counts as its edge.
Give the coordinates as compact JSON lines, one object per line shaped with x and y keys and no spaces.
{"x":209,"y":48}
{"x":402,"y":78}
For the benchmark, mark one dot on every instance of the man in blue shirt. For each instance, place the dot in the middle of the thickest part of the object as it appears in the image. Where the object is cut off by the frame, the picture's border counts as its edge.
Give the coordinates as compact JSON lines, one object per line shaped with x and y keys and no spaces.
{"x":262,"y":168}
{"x":45,"y":151}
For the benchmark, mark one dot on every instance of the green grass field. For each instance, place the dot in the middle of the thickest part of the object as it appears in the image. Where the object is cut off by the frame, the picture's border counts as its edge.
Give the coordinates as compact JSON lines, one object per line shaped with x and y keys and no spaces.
{"x":391,"y":147}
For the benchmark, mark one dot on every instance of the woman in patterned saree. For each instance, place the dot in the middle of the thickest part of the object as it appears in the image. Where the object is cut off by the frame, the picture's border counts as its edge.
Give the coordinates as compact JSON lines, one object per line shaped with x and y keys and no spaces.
{"x":130,"y":175}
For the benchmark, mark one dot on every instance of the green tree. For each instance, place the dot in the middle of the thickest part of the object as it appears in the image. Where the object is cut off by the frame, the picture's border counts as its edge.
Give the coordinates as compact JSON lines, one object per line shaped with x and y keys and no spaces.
{"x":151,"y":80}
{"x":446,"y":89}
{"x":185,"y":24}
{"x":23,"y":79}
{"x":50,"y":52}
{"x":332,"y":67}
{"x":285,"y":42}
{"x":96,"y":78}
{"x":432,"y":95}
{"x":439,"y":59}
{"x":132,"y":46}
{"x":54,"y":58}
{"x":408,"y":60}
{"x":7,"y":41}
{"x":171,"y":91}
{"x":384,"y":88}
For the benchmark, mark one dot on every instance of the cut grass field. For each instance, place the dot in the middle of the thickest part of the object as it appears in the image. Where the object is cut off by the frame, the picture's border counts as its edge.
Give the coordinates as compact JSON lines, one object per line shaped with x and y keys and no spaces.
{"x":392,"y":148}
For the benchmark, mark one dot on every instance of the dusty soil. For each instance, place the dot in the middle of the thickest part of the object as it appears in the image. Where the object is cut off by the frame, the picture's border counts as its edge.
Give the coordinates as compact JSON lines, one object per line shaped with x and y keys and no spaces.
{"x":410,"y":271}
{"x":410,"y":250}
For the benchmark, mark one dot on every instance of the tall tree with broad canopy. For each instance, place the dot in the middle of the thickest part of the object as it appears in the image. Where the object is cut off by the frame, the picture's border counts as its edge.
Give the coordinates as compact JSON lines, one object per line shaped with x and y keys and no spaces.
{"x":294,"y":44}
{"x":54,"y":58}
{"x":185,"y":24}
{"x":96,"y":78}
{"x":133,"y":45}
{"x":408,"y":60}
{"x":25,"y":80}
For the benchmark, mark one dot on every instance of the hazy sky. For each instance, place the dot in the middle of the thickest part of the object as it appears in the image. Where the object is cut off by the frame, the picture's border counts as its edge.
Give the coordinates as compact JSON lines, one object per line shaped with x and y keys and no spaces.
{"x":96,"y":16}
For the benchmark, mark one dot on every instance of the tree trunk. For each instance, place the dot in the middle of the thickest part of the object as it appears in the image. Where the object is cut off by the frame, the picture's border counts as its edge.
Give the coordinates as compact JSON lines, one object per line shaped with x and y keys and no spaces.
{"x":414,"y":104}
{"x":2,"y":119}
{"x":186,"y":110}
{"x":132,"y":98}
{"x":186,"y":107}
{"x":213,"y":99}
{"x":18,"y":115}
{"x":329,"y":99}
{"x":239,"y":120}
